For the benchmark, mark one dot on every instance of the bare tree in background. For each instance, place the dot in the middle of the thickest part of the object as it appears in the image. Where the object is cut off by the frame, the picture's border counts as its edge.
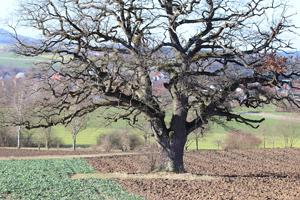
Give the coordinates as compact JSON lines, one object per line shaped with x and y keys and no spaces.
{"x":218,"y":141}
{"x":145,"y":128}
{"x":20,"y":105}
{"x":265,"y":132}
{"x":77,"y":125}
{"x":50,"y":138}
{"x":28,"y":137}
{"x":288,"y":131}
{"x":48,"y":135}
{"x":16,"y":103}
{"x":196,"y":135}
{"x":103,"y":53}
{"x":6,"y":138}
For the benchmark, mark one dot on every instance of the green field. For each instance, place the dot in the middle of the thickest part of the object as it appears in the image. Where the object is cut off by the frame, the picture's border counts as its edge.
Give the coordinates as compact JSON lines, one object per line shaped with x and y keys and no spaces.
{"x":96,"y":126}
{"x":50,"y":179}
{"x":89,"y":136}
{"x":10,"y":59}
{"x":218,"y":131}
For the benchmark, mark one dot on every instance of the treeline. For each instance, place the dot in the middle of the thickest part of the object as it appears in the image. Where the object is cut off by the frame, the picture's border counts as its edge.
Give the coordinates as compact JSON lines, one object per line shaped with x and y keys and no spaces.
{"x":17,"y":104}
{"x":21,"y":101}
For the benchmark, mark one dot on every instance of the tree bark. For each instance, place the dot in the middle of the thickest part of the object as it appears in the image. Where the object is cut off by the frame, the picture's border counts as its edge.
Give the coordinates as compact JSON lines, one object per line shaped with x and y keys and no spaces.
{"x":172,"y":156}
{"x":172,"y":140}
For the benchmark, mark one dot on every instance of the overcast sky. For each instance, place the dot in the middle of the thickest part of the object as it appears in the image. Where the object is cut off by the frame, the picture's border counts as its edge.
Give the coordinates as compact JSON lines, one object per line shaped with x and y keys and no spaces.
{"x":7,"y":6}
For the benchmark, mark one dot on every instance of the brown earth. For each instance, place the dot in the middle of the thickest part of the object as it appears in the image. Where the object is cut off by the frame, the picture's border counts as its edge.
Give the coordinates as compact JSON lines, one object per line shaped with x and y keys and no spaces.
{"x":239,"y":174}
{"x":13,"y":153}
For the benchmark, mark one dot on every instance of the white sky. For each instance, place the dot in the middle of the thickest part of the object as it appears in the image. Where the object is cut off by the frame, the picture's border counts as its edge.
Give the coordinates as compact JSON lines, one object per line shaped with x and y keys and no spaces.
{"x":7,"y":7}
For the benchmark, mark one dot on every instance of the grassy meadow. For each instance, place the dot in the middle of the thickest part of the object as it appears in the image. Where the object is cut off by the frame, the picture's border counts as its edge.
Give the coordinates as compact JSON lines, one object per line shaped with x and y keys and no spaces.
{"x":268,"y":126}
{"x":11,"y":60}
{"x":97,"y":127}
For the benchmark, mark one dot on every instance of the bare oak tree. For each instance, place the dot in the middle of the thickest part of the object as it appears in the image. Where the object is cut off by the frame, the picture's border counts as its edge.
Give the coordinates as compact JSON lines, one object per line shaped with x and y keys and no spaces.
{"x":103,"y":53}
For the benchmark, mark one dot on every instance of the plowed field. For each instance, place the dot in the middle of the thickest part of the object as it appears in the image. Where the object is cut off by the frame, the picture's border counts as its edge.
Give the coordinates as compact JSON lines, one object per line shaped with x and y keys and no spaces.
{"x":238,"y":174}
{"x":33,"y":152}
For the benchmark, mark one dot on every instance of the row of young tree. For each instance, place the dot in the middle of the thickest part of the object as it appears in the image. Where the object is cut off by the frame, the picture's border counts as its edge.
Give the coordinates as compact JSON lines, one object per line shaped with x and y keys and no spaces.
{"x":18,"y":102}
{"x":209,"y":48}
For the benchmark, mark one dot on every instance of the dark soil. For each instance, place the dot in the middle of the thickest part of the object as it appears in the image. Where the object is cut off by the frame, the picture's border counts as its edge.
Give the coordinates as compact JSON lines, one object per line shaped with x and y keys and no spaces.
{"x":239,"y":174}
{"x":124,"y":164}
{"x":32,"y":152}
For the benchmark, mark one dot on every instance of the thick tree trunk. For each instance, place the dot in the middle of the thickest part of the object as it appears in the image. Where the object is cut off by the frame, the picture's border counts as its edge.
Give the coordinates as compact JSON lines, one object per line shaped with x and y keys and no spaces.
{"x":172,"y":156}
{"x":172,"y":141}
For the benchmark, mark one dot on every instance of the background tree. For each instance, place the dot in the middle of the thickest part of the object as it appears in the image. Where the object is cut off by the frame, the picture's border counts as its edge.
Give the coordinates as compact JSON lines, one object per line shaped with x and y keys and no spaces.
{"x":19,"y":105}
{"x":22,"y":103}
{"x":196,"y":135}
{"x":39,"y":138}
{"x":264,"y":131}
{"x":15,"y":104}
{"x":218,"y":141}
{"x":77,"y":125}
{"x":228,"y":49}
{"x":288,"y":131}
{"x":145,"y":127}
{"x":50,"y":138}
{"x":6,"y":138}
{"x":28,"y":137}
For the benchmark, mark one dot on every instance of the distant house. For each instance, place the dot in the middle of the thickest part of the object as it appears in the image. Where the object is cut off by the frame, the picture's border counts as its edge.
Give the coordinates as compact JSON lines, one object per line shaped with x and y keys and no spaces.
{"x":20,"y":75}
{"x":56,"y":77}
{"x":158,"y":76}
{"x":96,"y":53}
{"x":6,"y":76}
{"x":158,"y":79}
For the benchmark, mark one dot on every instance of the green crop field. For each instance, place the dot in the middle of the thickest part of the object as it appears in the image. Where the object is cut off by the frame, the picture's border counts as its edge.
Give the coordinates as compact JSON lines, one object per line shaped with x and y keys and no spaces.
{"x":50,"y":179}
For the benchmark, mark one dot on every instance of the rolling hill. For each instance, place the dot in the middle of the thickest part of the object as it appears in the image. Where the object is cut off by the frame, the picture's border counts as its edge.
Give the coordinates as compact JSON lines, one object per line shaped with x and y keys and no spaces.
{"x":6,"y":38}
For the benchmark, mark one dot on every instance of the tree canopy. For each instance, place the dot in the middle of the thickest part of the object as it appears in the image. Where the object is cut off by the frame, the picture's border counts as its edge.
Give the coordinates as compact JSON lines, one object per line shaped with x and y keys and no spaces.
{"x":213,"y":52}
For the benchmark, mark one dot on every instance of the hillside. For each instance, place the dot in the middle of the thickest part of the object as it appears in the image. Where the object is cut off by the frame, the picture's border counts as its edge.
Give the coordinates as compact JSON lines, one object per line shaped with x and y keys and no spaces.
{"x":5,"y":37}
